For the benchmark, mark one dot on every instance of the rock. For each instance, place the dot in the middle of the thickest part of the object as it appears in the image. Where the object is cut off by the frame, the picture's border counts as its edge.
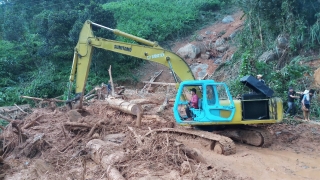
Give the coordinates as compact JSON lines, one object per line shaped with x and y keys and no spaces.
{"x":208,"y":32}
{"x":189,"y":51}
{"x":184,"y":168}
{"x":42,"y":167}
{"x":116,"y":138}
{"x":219,"y":42}
{"x":205,"y":56}
{"x":174,"y":175}
{"x":200,"y":38}
{"x":218,"y":61}
{"x":267,"y":56}
{"x":222,"y":48}
{"x":282,"y":42}
{"x":221,"y":33}
{"x":74,"y":115}
{"x":227,"y":19}
{"x":199,"y":70}
{"x":233,"y":35}
{"x":201,"y":46}
{"x":95,"y":136}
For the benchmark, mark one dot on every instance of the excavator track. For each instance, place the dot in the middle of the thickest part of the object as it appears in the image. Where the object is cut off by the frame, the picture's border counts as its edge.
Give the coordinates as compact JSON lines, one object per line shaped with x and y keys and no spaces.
{"x":219,"y":144}
{"x":249,"y":135}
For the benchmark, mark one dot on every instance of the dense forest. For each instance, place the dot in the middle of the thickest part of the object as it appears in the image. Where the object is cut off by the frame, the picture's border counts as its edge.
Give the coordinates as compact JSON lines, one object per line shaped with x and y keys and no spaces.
{"x":37,"y":38}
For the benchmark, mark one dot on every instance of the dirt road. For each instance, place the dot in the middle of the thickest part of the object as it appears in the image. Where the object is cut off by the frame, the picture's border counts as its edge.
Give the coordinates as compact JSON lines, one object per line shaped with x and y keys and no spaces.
{"x":293,"y":156}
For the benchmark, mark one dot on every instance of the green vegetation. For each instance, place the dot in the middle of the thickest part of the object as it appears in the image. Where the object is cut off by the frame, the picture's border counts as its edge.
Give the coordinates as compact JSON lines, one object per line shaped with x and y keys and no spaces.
{"x":37,"y":39}
{"x":160,"y":20}
{"x":265,"y":21}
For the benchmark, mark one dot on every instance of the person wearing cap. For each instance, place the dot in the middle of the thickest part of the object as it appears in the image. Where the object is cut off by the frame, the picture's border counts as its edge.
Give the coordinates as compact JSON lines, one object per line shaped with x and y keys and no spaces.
{"x":193,"y":103}
{"x":259,"y":77}
{"x":306,"y":101}
{"x":291,"y":104}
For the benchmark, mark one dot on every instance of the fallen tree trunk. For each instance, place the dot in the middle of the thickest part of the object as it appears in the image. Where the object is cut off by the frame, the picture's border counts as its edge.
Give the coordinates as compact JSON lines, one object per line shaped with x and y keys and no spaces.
{"x":75,"y":124}
{"x":160,"y":83}
{"x":153,"y":117}
{"x":14,"y":108}
{"x":32,"y":122}
{"x":97,"y":150}
{"x":41,"y":99}
{"x":20,"y":108}
{"x":5,"y":118}
{"x":111,"y":81}
{"x":143,"y":101}
{"x":126,"y":107}
{"x":165,"y":102}
{"x":153,"y":78}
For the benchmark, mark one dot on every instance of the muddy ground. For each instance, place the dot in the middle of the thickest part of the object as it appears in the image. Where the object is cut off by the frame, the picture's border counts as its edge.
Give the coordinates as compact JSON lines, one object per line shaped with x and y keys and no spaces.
{"x":61,"y":152}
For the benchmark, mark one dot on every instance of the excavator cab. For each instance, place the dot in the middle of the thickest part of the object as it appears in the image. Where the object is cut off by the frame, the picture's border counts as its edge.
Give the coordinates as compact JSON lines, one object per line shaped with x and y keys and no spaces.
{"x":215,"y":103}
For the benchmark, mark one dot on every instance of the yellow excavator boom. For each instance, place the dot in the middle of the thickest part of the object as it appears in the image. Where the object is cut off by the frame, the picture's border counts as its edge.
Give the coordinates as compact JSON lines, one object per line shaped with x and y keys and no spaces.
{"x":150,"y":51}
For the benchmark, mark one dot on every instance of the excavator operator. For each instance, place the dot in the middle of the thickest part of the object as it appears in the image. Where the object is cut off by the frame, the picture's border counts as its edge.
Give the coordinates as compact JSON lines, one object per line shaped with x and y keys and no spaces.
{"x":193,"y":103}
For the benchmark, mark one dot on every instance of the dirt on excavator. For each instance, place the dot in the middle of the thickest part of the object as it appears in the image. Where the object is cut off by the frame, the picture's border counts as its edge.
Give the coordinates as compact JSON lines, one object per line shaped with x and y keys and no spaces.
{"x":52,"y":143}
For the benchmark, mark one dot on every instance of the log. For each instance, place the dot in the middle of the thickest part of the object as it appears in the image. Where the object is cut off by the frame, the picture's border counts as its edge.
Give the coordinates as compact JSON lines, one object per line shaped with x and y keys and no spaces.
{"x":20,"y":108}
{"x":32,"y":122}
{"x":143,"y":101}
{"x":120,"y":92}
{"x":41,"y":99}
{"x":6,"y":118}
{"x":163,"y":106}
{"x":126,"y":107}
{"x":193,"y":155}
{"x":74,"y":124}
{"x":153,"y":117}
{"x":90,"y":96}
{"x":165,"y":102}
{"x":99,"y":154}
{"x":153,"y":78}
{"x":14,"y":108}
{"x":111,"y":81}
{"x":94,"y":127}
{"x":90,"y":92}
{"x":160,"y":83}
{"x":205,"y":76}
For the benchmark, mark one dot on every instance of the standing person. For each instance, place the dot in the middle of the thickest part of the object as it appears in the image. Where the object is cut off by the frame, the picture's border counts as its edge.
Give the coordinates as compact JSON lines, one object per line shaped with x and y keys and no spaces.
{"x":291,"y":104}
{"x":259,"y":77}
{"x":193,"y":103}
{"x":306,"y":101}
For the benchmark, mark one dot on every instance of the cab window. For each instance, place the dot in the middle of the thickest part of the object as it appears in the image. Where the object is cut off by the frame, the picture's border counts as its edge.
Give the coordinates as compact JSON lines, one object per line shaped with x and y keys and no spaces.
{"x":210,"y":95}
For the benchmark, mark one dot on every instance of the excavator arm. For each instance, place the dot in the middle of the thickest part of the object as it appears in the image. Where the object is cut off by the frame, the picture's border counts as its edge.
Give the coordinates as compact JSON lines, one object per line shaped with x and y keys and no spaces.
{"x":149,"y":51}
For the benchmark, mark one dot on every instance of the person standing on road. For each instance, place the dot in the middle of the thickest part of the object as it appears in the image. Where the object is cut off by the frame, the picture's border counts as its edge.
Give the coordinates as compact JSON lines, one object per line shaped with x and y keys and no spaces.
{"x":259,"y":77}
{"x":291,"y":104}
{"x":306,"y":101}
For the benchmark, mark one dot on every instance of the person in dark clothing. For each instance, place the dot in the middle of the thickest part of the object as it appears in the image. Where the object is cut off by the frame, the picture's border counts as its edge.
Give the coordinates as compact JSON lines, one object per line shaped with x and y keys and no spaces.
{"x":291,"y":104}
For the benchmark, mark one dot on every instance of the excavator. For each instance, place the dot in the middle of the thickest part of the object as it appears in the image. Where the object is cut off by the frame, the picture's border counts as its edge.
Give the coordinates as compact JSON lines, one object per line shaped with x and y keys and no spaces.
{"x":216,"y":107}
